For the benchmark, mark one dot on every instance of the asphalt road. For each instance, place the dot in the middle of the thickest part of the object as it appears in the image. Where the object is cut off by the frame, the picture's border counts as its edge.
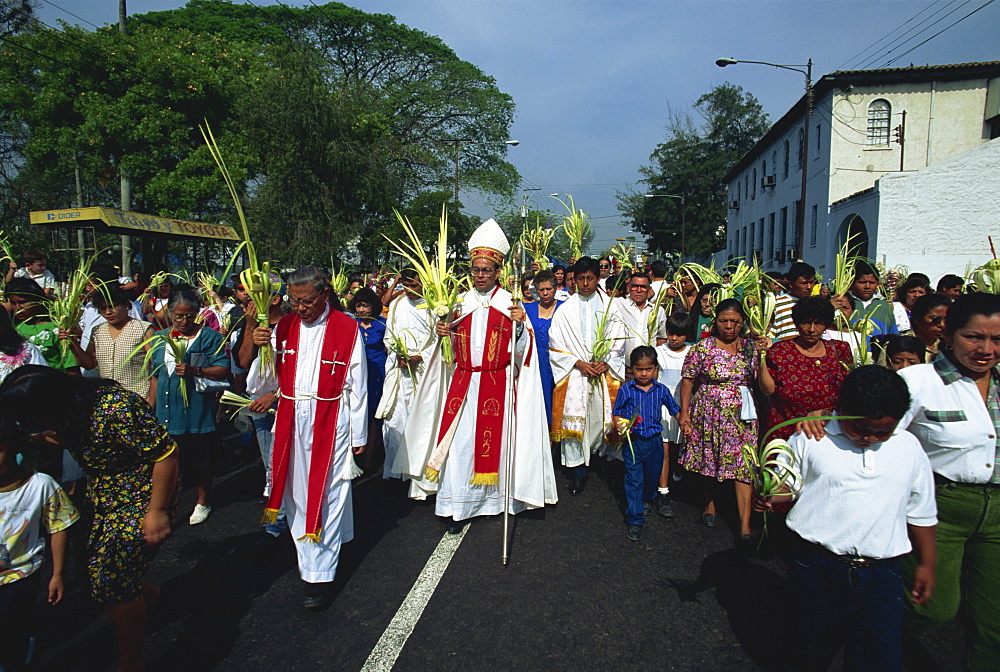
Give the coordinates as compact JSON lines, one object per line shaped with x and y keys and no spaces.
{"x":576,"y":594}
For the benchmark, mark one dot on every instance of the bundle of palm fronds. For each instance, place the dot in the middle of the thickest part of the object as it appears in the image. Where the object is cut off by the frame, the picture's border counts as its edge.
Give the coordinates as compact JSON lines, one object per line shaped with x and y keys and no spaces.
{"x":172,"y":340}
{"x":256,"y":278}
{"x":441,"y":286}
{"x":621,"y":253}
{"x":6,"y":257}
{"x":576,"y":225}
{"x":759,"y":304}
{"x":340,"y":281}
{"x":700,"y":275}
{"x":67,"y":310}
{"x":240,"y":401}
{"x":158,"y":279}
{"x":845,"y":266}
{"x":986,"y":278}
{"x":535,"y":241}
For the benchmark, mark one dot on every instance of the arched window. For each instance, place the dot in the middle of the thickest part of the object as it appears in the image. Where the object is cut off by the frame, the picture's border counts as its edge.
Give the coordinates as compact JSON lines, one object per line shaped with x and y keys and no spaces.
{"x":739,"y":196}
{"x":784,"y":166}
{"x":746,"y":185}
{"x":802,"y":145}
{"x":753,"y":185}
{"x":879,"y":114}
{"x":763,"y":171}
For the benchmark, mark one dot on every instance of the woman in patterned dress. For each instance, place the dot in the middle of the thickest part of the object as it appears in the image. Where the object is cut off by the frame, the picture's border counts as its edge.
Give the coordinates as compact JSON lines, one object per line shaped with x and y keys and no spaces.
{"x":113,"y":341}
{"x":131,"y":467}
{"x":715,"y":383}
{"x":804,"y":374}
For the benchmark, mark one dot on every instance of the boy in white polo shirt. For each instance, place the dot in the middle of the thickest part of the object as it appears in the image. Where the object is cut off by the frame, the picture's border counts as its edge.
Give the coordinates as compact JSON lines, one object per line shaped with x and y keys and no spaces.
{"x":865,"y":493}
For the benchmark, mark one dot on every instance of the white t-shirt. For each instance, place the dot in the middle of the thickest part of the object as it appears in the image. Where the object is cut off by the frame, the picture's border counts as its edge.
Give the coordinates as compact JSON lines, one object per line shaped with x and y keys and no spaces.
{"x":24,"y":511}
{"x":45,"y":279}
{"x":858,"y":501}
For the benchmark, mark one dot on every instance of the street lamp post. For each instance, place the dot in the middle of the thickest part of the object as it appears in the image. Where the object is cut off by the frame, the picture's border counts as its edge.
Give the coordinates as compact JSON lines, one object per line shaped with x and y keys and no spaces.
{"x":800,"y":223}
{"x":683,"y":227}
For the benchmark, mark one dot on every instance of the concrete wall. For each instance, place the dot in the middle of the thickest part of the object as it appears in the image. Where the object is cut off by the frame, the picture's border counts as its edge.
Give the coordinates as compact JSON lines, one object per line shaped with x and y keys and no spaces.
{"x":937,"y":220}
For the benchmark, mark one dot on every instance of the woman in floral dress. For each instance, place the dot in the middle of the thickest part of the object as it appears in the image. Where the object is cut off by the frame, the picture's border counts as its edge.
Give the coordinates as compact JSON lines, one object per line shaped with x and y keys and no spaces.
{"x":131,"y":467}
{"x":804,"y":374}
{"x":715,"y":384}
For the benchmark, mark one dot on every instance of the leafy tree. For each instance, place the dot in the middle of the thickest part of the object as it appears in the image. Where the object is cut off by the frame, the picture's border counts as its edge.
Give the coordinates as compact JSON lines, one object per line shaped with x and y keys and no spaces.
{"x":328,"y":116}
{"x":430,"y":103}
{"x":691,"y":162}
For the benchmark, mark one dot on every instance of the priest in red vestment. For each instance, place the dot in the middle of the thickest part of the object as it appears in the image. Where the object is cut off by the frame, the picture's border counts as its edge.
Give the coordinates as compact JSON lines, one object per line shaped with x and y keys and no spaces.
{"x":320,"y":376}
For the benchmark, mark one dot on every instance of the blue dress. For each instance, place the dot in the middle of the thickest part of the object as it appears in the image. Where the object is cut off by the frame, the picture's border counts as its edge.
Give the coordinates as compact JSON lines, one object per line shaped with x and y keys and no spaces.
{"x":541,"y":327}
{"x":374,"y":339}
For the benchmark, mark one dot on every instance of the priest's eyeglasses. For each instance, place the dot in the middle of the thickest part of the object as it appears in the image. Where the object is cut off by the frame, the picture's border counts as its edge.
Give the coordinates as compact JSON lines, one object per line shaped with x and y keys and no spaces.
{"x":481,"y":271}
{"x":305,"y":303}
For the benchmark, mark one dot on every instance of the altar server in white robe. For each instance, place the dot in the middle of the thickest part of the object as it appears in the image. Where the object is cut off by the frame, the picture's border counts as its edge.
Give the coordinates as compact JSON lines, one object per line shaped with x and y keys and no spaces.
{"x":409,"y":325}
{"x":456,"y":445}
{"x":588,"y":366}
{"x":320,"y":375}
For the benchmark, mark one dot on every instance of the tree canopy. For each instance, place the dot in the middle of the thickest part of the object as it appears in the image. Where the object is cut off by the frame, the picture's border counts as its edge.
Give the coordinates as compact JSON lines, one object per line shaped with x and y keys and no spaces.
{"x":691,"y":163}
{"x":328,"y":116}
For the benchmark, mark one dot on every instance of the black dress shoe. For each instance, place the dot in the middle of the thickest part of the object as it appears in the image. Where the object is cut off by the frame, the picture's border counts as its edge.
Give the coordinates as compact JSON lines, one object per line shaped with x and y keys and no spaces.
{"x":576,"y":485}
{"x":634,"y":532}
{"x":318,"y":595}
{"x":455,"y":526}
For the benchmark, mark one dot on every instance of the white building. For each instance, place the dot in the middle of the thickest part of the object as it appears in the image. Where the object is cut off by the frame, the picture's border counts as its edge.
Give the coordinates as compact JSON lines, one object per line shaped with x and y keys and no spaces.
{"x":864,"y":124}
{"x":937,"y":220}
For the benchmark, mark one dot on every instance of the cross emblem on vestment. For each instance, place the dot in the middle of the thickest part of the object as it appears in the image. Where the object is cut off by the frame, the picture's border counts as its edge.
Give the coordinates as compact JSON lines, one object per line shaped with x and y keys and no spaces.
{"x":333,"y":364}
{"x":284,"y":350}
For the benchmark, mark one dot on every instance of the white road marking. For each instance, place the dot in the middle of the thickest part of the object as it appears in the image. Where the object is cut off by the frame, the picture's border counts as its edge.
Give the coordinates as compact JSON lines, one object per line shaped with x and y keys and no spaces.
{"x":391,"y":643}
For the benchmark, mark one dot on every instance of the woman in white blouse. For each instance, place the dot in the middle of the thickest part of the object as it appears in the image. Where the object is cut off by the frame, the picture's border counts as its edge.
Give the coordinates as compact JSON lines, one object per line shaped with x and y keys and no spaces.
{"x":956,"y":416}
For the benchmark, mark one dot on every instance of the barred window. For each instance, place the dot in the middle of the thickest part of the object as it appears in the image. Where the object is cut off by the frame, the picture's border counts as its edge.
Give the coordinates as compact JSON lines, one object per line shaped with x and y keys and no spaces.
{"x":879,"y":114}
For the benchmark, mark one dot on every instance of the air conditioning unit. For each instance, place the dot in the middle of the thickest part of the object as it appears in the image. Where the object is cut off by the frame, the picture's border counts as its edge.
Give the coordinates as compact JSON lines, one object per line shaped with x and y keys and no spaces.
{"x":767,"y":181}
{"x":779,"y":256}
{"x":734,"y":205}
{"x":790,"y":255}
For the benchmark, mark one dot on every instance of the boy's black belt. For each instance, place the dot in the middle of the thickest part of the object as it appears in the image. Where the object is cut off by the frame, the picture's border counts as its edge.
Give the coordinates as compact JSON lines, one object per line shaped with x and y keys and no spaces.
{"x":856,"y":561}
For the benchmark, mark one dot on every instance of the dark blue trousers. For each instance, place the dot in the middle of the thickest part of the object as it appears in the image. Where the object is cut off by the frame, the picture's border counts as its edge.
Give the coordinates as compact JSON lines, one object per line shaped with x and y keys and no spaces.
{"x":838,"y":605}
{"x":642,"y":474}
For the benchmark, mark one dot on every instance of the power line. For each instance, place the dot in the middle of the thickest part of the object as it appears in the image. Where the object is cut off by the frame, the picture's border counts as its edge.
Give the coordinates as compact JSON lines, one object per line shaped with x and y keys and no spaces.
{"x":49,"y":2}
{"x":889,"y":34}
{"x":983,"y":6}
{"x":902,"y":40}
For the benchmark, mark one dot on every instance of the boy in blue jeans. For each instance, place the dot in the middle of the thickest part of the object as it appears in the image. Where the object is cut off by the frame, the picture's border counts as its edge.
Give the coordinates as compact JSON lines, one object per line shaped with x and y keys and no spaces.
{"x":642,"y":399}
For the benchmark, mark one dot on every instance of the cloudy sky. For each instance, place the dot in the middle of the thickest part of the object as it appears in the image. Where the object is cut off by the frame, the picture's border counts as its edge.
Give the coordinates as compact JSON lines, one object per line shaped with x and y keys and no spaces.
{"x":593,"y":80}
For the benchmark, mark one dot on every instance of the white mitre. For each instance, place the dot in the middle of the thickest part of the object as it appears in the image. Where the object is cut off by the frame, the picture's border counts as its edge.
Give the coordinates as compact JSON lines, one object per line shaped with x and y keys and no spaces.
{"x":488,"y":242}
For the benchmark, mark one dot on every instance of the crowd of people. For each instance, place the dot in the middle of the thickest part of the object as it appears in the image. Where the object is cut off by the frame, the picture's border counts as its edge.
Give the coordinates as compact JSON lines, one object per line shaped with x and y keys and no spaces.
{"x":887,"y":397}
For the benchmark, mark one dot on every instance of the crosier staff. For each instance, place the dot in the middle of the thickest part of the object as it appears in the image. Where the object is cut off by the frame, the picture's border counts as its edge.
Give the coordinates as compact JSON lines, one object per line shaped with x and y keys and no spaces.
{"x":515,"y":294}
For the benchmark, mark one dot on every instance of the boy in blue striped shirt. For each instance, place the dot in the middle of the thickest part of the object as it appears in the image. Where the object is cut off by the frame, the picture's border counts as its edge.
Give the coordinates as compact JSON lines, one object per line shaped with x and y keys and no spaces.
{"x":640,"y":401}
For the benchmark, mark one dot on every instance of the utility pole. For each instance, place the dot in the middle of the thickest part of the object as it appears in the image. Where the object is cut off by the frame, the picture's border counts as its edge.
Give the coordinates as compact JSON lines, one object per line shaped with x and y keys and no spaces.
{"x":901,"y":140}
{"x":80,"y":242}
{"x":126,"y":187}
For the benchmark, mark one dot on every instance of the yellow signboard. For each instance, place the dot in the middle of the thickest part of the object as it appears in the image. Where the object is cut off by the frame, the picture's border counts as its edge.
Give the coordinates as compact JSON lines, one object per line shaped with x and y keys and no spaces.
{"x":123,"y":222}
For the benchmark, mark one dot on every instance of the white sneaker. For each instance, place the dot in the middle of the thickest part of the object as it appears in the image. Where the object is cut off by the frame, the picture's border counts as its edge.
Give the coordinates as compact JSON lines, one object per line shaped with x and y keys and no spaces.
{"x":200,"y":514}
